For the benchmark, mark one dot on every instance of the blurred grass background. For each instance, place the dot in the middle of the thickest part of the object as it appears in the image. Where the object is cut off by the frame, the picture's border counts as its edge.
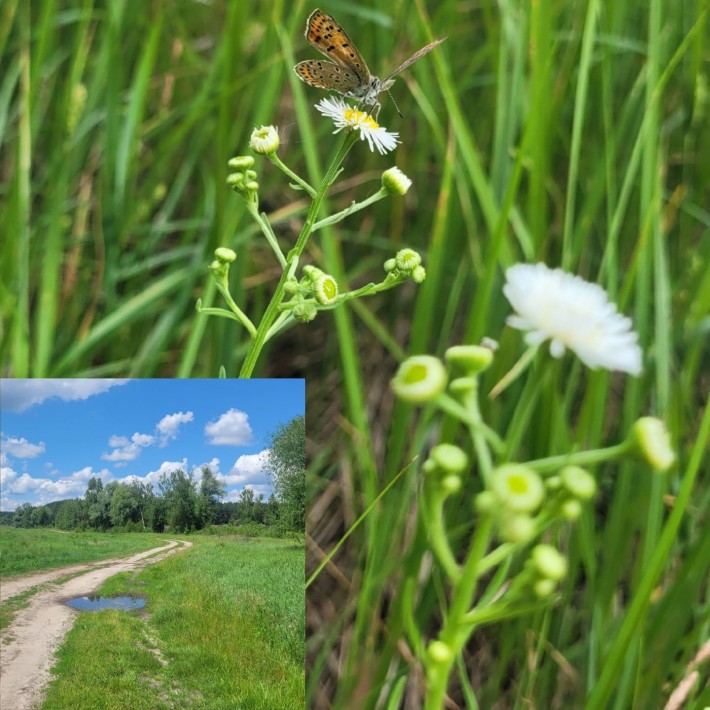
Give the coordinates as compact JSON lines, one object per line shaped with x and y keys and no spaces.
{"x":576,"y":133}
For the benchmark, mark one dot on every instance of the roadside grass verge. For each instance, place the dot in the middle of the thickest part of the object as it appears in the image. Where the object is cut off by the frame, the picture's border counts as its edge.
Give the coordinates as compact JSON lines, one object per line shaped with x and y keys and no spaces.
{"x":11,"y":606}
{"x":228,"y":618}
{"x":23,"y":550}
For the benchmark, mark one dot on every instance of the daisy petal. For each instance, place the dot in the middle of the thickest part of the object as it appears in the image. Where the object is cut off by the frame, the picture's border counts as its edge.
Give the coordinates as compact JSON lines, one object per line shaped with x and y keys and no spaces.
{"x":572,"y":313}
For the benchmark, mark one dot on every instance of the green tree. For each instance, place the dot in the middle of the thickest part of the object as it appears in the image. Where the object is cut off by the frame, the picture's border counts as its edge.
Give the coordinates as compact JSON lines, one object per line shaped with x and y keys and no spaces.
{"x":211,"y":491}
{"x":124,"y":507}
{"x":178,"y":489}
{"x":23,"y":516}
{"x":287,"y":469}
{"x":70,"y":515}
{"x":98,"y":503}
{"x":41,"y":516}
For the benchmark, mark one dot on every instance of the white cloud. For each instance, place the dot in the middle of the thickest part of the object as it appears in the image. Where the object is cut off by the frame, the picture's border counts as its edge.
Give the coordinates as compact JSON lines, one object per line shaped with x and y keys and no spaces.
{"x":127,"y":450}
{"x":7,"y":476}
{"x":115,"y":441}
{"x":154,"y":476}
{"x":231,"y":429}
{"x":19,"y":395}
{"x":84,"y":474}
{"x":168,"y":426}
{"x":21,"y":448}
{"x":248,"y":468}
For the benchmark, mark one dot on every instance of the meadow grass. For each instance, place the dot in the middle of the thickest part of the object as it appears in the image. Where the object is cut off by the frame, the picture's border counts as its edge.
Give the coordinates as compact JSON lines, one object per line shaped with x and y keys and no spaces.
{"x":226,"y":618}
{"x":32,"y":550}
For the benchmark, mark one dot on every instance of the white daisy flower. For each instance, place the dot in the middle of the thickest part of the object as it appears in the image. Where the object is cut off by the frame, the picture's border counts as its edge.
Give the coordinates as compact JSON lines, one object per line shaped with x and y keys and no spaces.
{"x":346,"y":117}
{"x":572,"y":313}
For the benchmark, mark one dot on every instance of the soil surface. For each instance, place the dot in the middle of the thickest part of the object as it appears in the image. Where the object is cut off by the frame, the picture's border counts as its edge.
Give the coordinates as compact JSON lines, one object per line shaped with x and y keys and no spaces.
{"x":28,"y":645}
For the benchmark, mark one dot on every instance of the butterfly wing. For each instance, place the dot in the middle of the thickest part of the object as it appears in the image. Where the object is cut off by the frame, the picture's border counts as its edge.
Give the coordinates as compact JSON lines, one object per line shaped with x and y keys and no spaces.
{"x":326,"y":75}
{"x":329,"y":38}
{"x":417,"y":55}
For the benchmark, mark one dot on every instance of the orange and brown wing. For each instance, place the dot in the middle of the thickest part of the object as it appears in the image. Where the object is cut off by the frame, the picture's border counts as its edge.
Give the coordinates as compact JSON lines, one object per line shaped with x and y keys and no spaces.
{"x":329,"y":38}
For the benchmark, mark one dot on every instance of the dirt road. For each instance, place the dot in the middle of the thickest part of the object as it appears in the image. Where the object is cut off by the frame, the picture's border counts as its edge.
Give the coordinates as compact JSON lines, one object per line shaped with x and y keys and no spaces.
{"x":27,"y":647}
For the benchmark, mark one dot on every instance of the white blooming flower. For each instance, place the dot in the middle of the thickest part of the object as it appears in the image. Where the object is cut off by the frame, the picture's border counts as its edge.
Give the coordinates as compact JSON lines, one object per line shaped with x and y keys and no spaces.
{"x":346,"y":117}
{"x":572,"y":313}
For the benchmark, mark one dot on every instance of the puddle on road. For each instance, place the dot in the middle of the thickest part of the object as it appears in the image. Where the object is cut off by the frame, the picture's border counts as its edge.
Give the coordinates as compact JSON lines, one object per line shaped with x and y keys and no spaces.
{"x":96,"y":603}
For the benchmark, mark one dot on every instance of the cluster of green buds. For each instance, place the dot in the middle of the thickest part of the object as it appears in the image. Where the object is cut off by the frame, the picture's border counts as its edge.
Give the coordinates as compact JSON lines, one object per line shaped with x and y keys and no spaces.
{"x":315,"y":290}
{"x":243,"y":180}
{"x":513,"y":504}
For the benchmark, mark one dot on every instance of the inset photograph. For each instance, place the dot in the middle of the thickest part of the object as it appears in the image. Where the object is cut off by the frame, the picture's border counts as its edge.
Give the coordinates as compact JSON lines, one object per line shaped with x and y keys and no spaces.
{"x":152,"y":537}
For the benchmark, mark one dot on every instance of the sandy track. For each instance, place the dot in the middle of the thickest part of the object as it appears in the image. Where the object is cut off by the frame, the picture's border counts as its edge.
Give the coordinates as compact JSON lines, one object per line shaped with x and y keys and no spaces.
{"x":38,"y":630}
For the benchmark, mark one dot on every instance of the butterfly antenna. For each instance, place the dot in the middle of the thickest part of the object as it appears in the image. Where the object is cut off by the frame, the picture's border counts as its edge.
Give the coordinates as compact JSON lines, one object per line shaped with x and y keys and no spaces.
{"x":395,"y":104}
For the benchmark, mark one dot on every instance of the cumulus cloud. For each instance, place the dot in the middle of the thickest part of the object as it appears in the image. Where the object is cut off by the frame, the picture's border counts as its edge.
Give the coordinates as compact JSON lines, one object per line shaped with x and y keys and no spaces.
{"x":231,"y":429}
{"x":126,"y":450}
{"x":19,"y":395}
{"x":168,"y":426}
{"x":248,"y":468}
{"x":7,"y":476}
{"x":153,"y":477}
{"x":21,"y":448}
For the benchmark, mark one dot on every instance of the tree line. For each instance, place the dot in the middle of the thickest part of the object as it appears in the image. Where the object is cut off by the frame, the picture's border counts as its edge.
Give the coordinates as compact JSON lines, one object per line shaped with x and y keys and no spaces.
{"x":180,"y":503}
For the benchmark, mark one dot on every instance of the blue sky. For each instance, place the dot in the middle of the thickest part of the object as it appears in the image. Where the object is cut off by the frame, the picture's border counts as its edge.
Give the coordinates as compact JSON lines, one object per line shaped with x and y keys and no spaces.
{"x":56,"y":434}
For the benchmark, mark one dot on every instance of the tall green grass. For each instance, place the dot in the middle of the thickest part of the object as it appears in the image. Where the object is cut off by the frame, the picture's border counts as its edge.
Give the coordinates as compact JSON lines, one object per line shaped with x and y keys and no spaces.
{"x":29,"y":550}
{"x":223,"y":628}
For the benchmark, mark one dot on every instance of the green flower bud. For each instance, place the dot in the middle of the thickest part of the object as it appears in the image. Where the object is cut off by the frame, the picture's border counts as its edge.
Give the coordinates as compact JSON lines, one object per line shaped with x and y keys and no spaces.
{"x":486,"y":502}
{"x":649,"y":440}
{"x":470,"y":358}
{"x":578,"y":482}
{"x":395,"y":182}
{"x":518,"y":487}
{"x":571,"y":509}
{"x":450,"y":458}
{"x":451,"y":483}
{"x":226,"y":255}
{"x":241,"y":162}
{"x":407,"y":260}
{"x":264,"y":140}
{"x":549,"y":562}
{"x":544,"y":588}
{"x":326,"y":290}
{"x":390,"y":265}
{"x":419,"y":379}
{"x":312,"y":273}
{"x":516,"y":528}
{"x":304,"y":312}
{"x":418,"y":274}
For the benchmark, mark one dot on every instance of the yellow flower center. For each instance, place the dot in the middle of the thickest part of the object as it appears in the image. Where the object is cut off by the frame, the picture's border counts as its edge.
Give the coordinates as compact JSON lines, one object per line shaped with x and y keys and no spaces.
{"x":518,"y":485}
{"x":330,"y":289}
{"x":360,"y":117}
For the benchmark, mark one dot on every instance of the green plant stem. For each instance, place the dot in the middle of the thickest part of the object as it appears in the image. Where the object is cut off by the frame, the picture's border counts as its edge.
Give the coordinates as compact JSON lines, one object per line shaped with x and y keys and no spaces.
{"x":579,"y":458}
{"x":272,"y":310}
{"x":274,"y":158}
{"x":433,"y":510}
{"x":456,"y":629}
{"x":261,"y":219}
{"x":354,"y":207}
{"x":239,"y":314}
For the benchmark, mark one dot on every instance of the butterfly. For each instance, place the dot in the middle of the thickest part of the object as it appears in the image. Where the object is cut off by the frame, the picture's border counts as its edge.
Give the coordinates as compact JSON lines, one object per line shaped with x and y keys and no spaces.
{"x":347,"y":73}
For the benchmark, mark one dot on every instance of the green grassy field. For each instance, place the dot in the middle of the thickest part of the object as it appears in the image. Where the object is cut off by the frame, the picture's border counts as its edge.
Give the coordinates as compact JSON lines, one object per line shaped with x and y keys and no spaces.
{"x":226,"y":618}
{"x":31,"y":550}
